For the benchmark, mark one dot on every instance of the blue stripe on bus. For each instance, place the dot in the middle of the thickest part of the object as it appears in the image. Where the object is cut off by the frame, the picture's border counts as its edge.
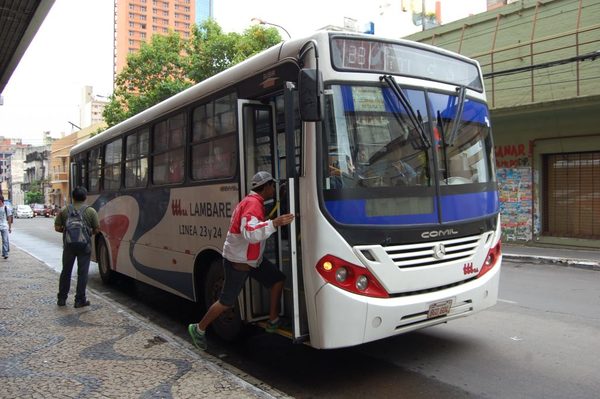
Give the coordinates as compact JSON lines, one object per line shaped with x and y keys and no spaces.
{"x":469,"y":206}
{"x":354,"y":212}
{"x":454,"y":208}
{"x":472,"y":112}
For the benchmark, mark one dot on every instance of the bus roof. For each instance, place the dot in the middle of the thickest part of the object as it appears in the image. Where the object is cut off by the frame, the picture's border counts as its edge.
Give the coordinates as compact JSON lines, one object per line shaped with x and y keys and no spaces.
{"x":287,"y":50}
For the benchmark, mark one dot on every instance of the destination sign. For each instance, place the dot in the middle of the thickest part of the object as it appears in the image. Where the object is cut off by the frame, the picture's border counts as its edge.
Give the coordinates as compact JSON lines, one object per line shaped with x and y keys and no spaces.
{"x":397,"y":59}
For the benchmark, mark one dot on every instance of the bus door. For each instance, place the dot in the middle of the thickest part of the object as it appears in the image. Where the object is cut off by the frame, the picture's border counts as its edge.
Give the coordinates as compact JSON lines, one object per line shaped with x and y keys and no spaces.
{"x":260,"y":150}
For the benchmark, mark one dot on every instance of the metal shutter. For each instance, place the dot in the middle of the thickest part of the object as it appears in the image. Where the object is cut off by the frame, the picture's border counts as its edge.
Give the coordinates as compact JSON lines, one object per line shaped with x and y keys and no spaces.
{"x":571,"y":200}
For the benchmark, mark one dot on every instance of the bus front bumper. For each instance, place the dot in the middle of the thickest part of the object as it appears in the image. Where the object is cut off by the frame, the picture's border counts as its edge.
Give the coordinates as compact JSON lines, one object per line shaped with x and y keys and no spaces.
{"x":347,"y":319}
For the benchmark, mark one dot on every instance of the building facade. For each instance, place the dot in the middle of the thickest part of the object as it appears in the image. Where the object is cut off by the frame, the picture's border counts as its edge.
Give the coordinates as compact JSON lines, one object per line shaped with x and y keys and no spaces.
{"x":91,"y":108}
{"x":137,"y":20}
{"x":60,"y":170}
{"x":9,"y":173}
{"x":541,"y":61}
{"x":6,"y":151}
{"x":17,"y":164}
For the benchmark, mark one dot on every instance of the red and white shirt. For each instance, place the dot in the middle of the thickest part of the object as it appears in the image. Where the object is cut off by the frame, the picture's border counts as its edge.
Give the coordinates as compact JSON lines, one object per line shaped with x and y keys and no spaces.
{"x":245,"y":241}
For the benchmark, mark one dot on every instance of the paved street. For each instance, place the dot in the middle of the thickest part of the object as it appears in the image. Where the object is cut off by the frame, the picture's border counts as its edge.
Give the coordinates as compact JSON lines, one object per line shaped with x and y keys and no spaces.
{"x":539,"y":341}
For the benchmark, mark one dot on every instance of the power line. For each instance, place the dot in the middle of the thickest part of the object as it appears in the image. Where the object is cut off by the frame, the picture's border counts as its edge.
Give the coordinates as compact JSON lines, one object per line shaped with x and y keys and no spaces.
{"x":590,"y":56}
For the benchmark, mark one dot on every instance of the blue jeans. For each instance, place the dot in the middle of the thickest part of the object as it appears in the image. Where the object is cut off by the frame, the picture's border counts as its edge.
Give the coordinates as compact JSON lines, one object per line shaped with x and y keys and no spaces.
{"x":83,"y":266}
{"x":5,"y":244}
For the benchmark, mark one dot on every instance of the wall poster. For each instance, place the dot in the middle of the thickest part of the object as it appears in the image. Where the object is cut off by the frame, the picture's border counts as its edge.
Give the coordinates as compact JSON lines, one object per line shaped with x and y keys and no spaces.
{"x":516,"y":206}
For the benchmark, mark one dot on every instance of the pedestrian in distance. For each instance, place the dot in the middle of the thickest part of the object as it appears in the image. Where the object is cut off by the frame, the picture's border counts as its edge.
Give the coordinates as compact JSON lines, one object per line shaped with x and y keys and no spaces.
{"x":243,"y":256}
{"x":6,"y":220}
{"x":78,"y":223}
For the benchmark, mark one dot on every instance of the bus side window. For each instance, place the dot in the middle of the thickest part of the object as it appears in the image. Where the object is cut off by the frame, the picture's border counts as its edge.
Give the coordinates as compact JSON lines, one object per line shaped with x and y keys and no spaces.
{"x":94,"y":170}
{"x":168,"y":140}
{"x":176,"y":166}
{"x":136,"y":156}
{"x":214,"y":151}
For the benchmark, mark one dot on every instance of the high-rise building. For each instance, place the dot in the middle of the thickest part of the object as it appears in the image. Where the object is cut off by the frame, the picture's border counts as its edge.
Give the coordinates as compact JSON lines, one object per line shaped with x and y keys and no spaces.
{"x":204,"y":10}
{"x":137,"y":20}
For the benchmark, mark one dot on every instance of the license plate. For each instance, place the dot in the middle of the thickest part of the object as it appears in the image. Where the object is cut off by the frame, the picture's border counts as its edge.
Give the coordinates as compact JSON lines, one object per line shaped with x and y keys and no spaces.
{"x":439,"y":309}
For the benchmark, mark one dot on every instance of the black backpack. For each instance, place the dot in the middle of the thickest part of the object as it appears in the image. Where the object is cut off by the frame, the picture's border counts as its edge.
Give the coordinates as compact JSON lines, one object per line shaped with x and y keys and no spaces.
{"x":77,"y":233}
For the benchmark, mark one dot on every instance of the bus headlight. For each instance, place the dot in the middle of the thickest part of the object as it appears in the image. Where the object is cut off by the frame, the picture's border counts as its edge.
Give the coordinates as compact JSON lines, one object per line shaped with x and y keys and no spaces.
{"x":350,"y":277}
{"x":492,"y":258}
{"x":362,"y":283}
{"x":341,"y":274}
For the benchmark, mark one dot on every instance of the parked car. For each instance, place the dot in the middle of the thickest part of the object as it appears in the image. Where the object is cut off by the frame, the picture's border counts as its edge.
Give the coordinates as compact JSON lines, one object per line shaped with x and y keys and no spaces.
{"x":23,"y":211}
{"x":41,"y":210}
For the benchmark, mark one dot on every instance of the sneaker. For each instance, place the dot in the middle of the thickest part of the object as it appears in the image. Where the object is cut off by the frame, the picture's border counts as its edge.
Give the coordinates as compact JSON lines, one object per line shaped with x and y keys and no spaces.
{"x":198,"y":339}
{"x":272,"y":326}
{"x":82,"y":304}
{"x":5,"y":256}
{"x":61,"y":302}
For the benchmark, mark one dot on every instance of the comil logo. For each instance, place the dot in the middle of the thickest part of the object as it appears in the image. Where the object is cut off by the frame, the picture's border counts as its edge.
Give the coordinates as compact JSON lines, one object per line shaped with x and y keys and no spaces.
{"x":439,"y":233}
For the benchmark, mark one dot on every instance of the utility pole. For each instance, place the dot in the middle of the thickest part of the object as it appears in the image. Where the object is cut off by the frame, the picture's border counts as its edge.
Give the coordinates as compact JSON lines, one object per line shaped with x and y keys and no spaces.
{"x":422,"y":15}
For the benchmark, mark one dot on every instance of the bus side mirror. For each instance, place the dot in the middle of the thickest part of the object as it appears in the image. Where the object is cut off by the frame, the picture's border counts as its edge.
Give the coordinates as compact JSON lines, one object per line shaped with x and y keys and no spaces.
{"x":310,"y":95}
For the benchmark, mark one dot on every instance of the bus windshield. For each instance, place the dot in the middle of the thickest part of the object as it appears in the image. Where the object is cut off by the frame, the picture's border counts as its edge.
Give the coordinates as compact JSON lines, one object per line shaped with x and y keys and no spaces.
{"x":380,"y":169}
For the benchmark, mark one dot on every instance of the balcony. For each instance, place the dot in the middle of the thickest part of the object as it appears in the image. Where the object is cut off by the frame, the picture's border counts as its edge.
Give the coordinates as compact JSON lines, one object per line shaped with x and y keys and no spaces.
{"x":60,"y":177}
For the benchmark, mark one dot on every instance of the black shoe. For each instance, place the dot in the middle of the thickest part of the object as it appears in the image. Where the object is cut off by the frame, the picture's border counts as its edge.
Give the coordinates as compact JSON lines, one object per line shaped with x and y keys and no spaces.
{"x":82,"y":304}
{"x":5,"y":256}
{"x":61,"y":302}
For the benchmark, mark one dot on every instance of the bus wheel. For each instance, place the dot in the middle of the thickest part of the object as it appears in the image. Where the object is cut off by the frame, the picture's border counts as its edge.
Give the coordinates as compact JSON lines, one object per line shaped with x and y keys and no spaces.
{"x":106,"y":273}
{"x":229,"y":325}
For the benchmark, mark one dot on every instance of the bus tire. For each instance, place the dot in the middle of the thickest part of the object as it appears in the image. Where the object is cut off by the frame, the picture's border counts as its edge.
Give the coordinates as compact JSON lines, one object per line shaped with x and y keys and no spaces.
{"x":106,"y":273}
{"x":228,"y":326}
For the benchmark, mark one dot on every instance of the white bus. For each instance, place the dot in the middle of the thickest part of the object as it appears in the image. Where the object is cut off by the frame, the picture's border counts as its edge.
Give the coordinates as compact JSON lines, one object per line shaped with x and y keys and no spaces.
{"x":383,"y":149}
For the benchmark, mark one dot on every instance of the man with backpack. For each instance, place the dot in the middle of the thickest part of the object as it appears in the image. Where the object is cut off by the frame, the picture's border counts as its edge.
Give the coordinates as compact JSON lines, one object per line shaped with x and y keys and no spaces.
{"x":78,"y":223}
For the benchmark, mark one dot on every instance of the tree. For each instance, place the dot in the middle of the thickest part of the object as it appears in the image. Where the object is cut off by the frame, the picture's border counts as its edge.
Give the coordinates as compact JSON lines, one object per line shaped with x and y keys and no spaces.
{"x":211,"y":51}
{"x":170,"y":64}
{"x":151,"y":75}
{"x":34,"y":195}
{"x":254,"y":40}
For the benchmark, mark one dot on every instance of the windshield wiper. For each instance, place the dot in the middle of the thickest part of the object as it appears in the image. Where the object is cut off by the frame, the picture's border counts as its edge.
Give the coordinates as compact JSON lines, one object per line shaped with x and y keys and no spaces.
{"x":412,"y":116}
{"x":442,"y":134}
{"x":458,"y":116}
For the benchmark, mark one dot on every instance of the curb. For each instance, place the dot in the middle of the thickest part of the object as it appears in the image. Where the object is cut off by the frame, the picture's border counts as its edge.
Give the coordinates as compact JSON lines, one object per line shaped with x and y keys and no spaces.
{"x":575,"y":263}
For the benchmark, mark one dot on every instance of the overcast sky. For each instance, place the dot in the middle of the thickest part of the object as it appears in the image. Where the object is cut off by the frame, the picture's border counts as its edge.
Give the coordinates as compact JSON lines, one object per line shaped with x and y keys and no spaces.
{"x":74,"y":48}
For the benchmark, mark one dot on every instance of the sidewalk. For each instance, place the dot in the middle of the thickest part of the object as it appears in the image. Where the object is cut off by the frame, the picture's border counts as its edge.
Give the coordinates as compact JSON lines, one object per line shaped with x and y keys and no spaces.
{"x":575,"y":257}
{"x":100,"y":351}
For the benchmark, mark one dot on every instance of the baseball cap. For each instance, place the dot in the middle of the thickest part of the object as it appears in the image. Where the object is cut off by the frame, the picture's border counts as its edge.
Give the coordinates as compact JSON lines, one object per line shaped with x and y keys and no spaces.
{"x":261,"y":178}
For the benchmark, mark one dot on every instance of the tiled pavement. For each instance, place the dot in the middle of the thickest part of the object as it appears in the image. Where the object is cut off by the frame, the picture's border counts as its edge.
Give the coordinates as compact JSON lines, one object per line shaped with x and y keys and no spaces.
{"x":100,"y":351}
